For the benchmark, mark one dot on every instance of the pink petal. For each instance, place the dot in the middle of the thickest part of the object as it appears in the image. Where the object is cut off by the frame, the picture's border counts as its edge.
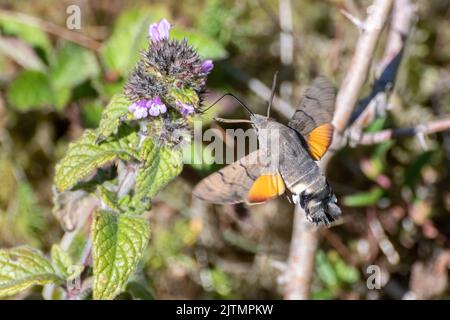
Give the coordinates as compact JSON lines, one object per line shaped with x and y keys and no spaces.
{"x":164,"y":28}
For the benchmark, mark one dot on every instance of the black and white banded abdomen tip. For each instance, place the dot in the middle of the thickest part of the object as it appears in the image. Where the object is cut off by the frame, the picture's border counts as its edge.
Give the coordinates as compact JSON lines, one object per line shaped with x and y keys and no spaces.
{"x":319,"y":210}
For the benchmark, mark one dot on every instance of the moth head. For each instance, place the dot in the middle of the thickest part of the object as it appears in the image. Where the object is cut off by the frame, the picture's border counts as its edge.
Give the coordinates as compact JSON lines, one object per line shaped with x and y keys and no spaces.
{"x":259,"y":122}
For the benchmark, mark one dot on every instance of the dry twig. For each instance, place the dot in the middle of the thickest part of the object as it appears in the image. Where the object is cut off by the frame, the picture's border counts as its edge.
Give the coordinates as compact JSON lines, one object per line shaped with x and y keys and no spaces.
{"x":376,"y":103}
{"x":389,"y":134}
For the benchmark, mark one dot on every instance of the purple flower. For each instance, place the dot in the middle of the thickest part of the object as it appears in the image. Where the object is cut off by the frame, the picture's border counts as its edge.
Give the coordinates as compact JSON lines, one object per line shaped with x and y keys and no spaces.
{"x":139,"y":109}
{"x":185,"y":108}
{"x":156,"y":107}
{"x":207,"y":66}
{"x":144,"y":108}
{"x":159,"y":31}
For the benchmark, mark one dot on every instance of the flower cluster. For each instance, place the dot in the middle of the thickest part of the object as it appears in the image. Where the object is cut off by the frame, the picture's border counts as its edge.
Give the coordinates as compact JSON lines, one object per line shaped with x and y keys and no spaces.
{"x":170,"y":76}
{"x":143,"y":108}
{"x":185,"y":108}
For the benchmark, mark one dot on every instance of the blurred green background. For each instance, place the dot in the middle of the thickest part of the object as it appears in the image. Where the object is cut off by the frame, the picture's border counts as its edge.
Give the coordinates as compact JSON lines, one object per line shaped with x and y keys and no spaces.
{"x":395,"y":195}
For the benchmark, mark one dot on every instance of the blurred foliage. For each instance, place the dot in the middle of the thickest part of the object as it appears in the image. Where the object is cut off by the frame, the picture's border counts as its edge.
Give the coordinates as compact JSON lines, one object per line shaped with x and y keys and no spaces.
{"x":51,"y":89}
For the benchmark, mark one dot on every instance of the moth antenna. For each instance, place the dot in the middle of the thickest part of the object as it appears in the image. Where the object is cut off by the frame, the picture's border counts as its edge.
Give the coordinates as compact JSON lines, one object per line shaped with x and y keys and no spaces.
{"x":272,"y":93}
{"x":232,"y":120}
{"x":236,"y":98}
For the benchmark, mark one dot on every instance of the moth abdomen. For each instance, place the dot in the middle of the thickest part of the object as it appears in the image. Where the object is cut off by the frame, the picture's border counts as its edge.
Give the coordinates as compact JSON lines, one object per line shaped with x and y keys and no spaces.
{"x":319,"y":202}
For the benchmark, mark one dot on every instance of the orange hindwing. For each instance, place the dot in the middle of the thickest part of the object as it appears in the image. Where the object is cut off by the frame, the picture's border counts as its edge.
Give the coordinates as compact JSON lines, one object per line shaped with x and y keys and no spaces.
{"x":319,"y":139}
{"x":266,"y":187}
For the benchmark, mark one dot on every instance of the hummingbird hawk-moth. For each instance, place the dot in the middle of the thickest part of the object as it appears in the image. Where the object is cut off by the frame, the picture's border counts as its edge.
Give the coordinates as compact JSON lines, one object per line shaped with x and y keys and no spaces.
{"x":263,"y":175}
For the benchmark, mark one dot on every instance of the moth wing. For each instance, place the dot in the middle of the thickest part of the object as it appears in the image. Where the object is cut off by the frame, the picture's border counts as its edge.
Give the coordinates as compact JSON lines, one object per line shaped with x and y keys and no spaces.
{"x":319,"y":139}
{"x":316,"y":108}
{"x":266,"y":187}
{"x":313,"y":118}
{"x":245,"y":180}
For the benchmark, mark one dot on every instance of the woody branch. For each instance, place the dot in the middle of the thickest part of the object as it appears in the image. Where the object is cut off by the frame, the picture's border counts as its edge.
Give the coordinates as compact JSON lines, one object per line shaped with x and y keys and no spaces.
{"x":300,"y":269}
{"x":377,"y":102}
{"x":389,"y":134}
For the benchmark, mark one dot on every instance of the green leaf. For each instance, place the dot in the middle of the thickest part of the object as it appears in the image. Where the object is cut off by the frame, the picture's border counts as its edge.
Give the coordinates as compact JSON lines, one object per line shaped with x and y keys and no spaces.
{"x":122,"y":205}
{"x":414,"y":170}
{"x":121,"y":51}
{"x":28,"y":218}
{"x":221,"y":282}
{"x":74,"y":271}
{"x":363,"y":199}
{"x":160,"y":166}
{"x":206,"y":46}
{"x":61,"y":261}
{"x":33,"y":35}
{"x":77,"y":247}
{"x":23,"y":267}
{"x":21,"y":53}
{"x":24,"y":221}
{"x":8,"y":187}
{"x":73,"y":66}
{"x":108,"y":89}
{"x":109,"y":198}
{"x":374,"y":167}
{"x":113,"y":116}
{"x":91,"y":114}
{"x":324,"y":294}
{"x":118,"y":245}
{"x":30,"y":90}
{"x":84,"y":156}
{"x":380,"y":150}
{"x":376,"y":125}
{"x":344,"y":271}
{"x":215,"y":15}
{"x":325,"y":270}
{"x":62,"y":97}
{"x":139,"y":291}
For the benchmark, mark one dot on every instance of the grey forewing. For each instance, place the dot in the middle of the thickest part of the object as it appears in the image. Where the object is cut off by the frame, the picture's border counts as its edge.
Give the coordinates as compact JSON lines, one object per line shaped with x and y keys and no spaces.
{"x":316,"y":108}
{"x":231,"y":184}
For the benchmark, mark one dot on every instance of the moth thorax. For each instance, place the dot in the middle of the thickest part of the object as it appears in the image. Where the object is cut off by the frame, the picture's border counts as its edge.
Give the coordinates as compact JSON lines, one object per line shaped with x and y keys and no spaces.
{"x":269,"y":143}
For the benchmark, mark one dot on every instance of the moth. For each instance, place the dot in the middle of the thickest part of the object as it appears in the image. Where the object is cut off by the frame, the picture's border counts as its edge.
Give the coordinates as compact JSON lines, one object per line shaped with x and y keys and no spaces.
{"x":285,"y":160}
